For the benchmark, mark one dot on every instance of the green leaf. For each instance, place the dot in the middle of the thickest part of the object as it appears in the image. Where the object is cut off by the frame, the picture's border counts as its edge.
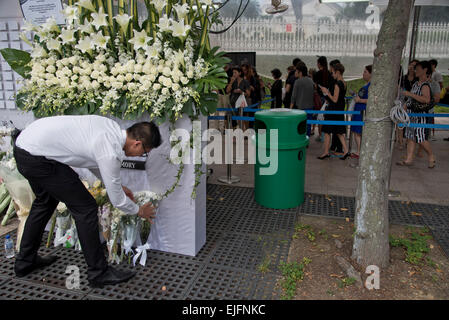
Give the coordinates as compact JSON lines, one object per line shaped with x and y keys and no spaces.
{"x":20,"y":100}
{"x":188,"y":108}
{"x":18,"y":60}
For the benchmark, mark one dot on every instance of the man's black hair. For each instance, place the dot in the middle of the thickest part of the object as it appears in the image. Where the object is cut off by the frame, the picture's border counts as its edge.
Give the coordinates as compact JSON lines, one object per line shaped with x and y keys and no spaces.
{"x":433,"y":62}
{"x":147,"y":132}
{"x":276,"y":73}
{"x":303,"y":69}
{"x":296,"y":61}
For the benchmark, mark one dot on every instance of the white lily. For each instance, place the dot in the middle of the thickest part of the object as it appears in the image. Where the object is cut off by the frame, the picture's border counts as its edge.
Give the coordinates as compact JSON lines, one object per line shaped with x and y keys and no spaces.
{"x":165,"y":23}
{"x":152,"y":52}
{"x":99,"y":40}
{"x":38,"y":52}
{"x":54,"y":44}
{"x":86,"y":4}
{"x":140,"y":39}
{"x":70,"y":12}
{"x":181,"y":11}
{"x":24,"y":38}
{"x":99,"y":19}
{"x":85,"y":45}
{"x":159,"y":5}
{"x":123,"y":21}
{"x":86,"y":28}
{"x":67,"y":35}
{"x":50,"y":25}
{"x":179,"y":29}
{"x":179,"y":58}
{"x":29,"y":26}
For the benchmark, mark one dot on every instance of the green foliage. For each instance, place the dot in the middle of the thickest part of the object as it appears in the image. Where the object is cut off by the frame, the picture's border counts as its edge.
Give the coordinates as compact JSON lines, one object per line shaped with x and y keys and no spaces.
{"x":265,"y":265}
{"x":415,"y":243}
{"x":18,"y":60}
{"x":345,"y":282}
{"x":293,"y":273}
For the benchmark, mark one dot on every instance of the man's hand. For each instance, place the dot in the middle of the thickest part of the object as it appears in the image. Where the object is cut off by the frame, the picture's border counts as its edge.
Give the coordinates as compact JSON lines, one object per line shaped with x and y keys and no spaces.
{"x":148,"y":212}
{"x":128,"y":193}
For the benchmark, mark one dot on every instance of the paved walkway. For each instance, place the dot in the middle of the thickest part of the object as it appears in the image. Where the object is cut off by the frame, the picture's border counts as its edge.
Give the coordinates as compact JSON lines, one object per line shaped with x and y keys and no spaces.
{"x":336,"y":177}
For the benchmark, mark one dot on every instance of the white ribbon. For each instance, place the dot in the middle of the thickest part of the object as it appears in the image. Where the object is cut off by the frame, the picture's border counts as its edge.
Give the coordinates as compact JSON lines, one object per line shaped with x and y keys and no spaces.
{"x":142,"y":252}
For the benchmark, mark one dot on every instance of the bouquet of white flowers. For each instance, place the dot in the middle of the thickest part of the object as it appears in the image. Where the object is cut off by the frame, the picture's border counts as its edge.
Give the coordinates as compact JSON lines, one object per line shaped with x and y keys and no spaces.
{"x":101,"y":63}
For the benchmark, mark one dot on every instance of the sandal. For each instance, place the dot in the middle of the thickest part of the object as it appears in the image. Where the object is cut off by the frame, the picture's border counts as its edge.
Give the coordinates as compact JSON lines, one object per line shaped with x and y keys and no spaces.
{"x":432,"y":164}
{"x":404,"y":164}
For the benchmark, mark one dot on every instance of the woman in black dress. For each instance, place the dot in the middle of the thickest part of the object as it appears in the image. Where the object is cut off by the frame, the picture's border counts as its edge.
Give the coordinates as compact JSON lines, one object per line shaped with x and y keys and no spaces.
{"x":335,"y":96}
{"x":276,"y":89}
{"x":236,"y":87}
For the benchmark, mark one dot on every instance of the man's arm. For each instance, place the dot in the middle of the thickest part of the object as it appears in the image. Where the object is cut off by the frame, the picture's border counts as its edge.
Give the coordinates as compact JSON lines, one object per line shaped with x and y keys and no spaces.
{"x":109,"y":167}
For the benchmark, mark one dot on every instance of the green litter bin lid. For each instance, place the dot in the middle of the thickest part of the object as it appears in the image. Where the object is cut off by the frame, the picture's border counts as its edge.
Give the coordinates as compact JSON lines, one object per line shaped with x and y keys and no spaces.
{"x":290,"y":123}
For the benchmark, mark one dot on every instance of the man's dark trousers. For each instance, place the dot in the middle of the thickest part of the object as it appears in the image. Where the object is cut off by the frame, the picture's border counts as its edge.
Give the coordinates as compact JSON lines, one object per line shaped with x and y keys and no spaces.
{"x":53,"y":182}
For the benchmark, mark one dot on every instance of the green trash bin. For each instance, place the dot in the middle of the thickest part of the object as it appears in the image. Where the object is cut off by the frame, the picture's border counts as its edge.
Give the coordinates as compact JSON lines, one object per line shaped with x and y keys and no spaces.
{"x":280,"y":187}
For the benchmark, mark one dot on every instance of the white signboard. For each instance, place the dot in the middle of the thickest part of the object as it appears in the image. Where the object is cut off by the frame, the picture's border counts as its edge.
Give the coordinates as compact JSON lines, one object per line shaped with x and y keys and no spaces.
{"x":38,"y":11}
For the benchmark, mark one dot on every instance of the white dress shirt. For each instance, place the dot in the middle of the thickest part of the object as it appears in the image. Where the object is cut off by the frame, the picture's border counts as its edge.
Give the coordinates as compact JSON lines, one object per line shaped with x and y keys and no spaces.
{"x":90,"y":141}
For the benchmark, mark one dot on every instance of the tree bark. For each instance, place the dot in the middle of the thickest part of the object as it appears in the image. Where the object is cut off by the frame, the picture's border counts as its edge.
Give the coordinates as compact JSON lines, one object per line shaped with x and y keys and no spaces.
{"x":371,"y":239}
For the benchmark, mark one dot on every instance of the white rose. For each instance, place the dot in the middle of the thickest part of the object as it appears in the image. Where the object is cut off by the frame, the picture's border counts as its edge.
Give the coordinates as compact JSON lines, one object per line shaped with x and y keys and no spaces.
{"x":164,"y":91}
{"x":114,"y":71}
{"x":167,"y":82}
{"x":72,"y":60}
{"x":117,"y":85}
{"x":190,"y":74}
{"x":132,"y":86}
{"x":175,"y":87}
{"x":156,"y":86}
{"x":51,"y":69}
{"x":184,"y":80}
{"x":76,"y":69}
{"x":95,"y":74}
{"x":166,"y":71}
{"x":74,"y":77}
{"x":95,"y":84}
{"x":65,"y":61}
{"x":120,"y":78}
{"x":129,"y":77}
{"x":138,"y":68}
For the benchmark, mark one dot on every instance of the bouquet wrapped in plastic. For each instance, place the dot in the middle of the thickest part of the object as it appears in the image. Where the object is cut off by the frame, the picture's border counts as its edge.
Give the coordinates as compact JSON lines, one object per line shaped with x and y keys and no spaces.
{"x":20,"y":191}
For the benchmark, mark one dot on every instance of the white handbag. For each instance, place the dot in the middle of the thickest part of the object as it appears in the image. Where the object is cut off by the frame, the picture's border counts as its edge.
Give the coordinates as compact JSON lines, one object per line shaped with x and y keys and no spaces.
{"x":321,"y":115}
{"x":241,"y":102}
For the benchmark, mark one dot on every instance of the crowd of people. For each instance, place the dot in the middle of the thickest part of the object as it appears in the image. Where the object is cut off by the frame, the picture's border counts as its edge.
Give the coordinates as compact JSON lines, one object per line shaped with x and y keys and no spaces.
{"x":324,"y":88}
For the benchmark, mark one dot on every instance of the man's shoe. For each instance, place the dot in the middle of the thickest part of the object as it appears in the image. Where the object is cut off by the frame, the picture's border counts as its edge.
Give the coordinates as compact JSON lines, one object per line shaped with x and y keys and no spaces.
{"x":39,"y":263}
{"x":111,"y":276}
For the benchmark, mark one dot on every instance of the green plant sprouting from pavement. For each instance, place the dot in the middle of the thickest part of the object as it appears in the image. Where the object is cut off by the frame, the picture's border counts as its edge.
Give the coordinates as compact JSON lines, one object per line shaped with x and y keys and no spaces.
{"x":293,"y":273}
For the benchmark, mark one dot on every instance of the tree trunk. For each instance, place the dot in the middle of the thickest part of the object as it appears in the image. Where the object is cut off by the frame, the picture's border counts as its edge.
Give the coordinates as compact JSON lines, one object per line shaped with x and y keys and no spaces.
{"x":371,"y":239}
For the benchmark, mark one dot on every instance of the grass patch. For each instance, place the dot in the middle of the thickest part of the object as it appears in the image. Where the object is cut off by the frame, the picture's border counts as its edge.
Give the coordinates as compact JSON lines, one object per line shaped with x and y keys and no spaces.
{"x":415,"y":244}
{"x":345,"y":282}
{"x":293,"y":273}
{"x":265,"y":265}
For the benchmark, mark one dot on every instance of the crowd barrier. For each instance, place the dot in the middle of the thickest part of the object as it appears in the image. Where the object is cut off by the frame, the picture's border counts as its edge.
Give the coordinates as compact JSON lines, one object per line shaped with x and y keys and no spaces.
{"x":338,"y":123}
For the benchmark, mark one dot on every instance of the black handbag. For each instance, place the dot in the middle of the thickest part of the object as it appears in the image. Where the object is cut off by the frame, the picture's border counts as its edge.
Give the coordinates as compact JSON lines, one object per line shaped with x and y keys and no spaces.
{"x":416,"y":106}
